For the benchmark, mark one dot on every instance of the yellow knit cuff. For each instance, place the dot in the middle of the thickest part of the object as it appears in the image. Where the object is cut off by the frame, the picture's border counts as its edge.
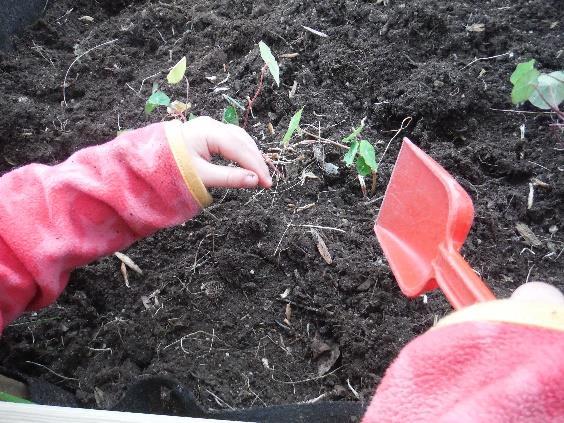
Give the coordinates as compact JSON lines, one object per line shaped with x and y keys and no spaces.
{"x":539,"y":314}
{"x":173,"y":131}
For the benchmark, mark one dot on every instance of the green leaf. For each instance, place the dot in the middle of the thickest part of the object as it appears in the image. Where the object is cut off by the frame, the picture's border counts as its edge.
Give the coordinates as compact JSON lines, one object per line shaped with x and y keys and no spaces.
{"x":351,"y":153}
{"x":362,"y":168}
{"x":270,"y":61}
{"x":5,"y":397}
{"x":549,"y":92}
{"x":230,"y":115}
{"x":524,"y":87}
{"x":234,"y":102}
{"x":158,"y":98}
{"x":522,"y":69}
{"x":353,"y":136}
{"x":191,"y":116}
{"x":177,"y":72}
{"x":293,"y":126}
{"x":524,"y":79}
{"x":368,"y":154}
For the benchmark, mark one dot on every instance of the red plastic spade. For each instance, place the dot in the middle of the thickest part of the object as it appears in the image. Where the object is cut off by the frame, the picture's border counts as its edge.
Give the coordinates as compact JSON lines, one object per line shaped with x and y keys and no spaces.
{"x":423,"y":222}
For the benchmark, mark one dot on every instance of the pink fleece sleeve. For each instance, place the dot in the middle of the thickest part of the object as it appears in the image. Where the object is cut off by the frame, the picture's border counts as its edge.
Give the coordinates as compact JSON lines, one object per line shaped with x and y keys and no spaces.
{"x":479,"y":371}
{"x":102,"y":199}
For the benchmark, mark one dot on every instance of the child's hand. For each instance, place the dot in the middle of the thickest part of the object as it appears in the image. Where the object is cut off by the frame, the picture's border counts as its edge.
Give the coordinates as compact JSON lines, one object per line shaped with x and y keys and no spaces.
{"x":538,"y":291}
{"x":206,"y":137}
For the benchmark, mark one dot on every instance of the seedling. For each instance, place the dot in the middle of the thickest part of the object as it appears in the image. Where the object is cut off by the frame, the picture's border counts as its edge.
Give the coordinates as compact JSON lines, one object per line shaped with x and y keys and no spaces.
{"x":292,"y":127}
{"x":270,"y":64}
{"x":160,"y":98}
{"x":545,"y":91}
{"x":361,"y":153}
{"x":230,"y":114}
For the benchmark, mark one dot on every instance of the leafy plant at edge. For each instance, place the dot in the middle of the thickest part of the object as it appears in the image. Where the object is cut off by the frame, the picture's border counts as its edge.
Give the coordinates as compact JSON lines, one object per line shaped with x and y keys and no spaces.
{"x":270,"y":61}
{"x":545,"y":91}
{"x":230,"y":114}
{"x":160,"y":98}
{"x":292,"y":127}
{"x":362,"y":154}
{"x":271,"y":64}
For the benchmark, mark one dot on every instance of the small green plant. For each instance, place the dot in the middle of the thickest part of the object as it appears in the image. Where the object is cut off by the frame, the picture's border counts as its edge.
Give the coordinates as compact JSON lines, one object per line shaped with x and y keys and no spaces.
{"x":362,"y":154}
{"x":230,"y":114}
{"x":177,"y":72}
{"x":270,"y":62}
{"x":271,"y":65}
{"x":292,"y":127}
{"x":160,"y":98}
{"x":545,"y":91}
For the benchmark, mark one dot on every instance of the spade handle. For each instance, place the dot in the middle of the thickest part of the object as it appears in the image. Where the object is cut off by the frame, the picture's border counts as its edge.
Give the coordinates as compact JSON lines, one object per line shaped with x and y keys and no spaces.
{"x":458,"y":281}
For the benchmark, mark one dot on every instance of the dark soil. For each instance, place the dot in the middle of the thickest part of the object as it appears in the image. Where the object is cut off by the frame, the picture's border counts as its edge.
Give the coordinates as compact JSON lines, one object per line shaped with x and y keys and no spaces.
{"x":215,"y":283}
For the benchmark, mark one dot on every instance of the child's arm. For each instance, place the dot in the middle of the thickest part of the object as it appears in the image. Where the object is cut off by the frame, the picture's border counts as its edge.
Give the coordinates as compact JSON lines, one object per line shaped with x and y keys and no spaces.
{"x":498,"y":361}
{"x":102,"y":199}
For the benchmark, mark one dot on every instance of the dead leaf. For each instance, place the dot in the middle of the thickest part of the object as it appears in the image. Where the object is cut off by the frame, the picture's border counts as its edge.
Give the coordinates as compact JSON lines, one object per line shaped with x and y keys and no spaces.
{"x":322,"y":247}
{"x":326,"y":353}
{"x":270,"y":128}
{"x":124,"y":273}
{"x":307,"y":206}
{"x":318,"y":347}
{"x":364,"y":286}
{"x":538,"y":183}
{"x":528,"y":234}
{"x":146,"y":302}
{"x":178,"y":107}
{"x":289,"y":55}
{"x":86,"y":18}
{"x":100,"y":397}
{"x":292,"y":91}
{"x":327,"y":361}
{"x":308,"y":175}
{"x":128,"y":262}
{"x":285,"y":293}
{"x":288,"y":312}
{"x":477,"y":27}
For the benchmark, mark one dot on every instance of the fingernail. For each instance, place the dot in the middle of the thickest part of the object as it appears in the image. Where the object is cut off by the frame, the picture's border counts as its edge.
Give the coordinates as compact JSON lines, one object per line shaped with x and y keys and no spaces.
{"x":251,"y":179}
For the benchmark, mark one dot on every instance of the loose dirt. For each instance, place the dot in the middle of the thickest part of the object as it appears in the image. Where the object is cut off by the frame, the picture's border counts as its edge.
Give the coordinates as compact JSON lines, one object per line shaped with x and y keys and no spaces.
{"x":208,"y":309}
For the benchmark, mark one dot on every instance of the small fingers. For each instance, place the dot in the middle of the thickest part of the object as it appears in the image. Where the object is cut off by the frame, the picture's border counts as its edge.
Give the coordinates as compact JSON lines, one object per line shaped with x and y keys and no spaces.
{"x":233,"y":143}
{"x":214,"y":176}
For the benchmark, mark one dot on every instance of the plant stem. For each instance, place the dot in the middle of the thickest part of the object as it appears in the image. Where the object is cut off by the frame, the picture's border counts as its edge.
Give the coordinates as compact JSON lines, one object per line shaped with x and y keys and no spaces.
{"x":321,"y":140}
{"x":374,"y":183}
{"x":362,"y":186}
{"x":555,"y":109}
{"x":257,"y":93}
